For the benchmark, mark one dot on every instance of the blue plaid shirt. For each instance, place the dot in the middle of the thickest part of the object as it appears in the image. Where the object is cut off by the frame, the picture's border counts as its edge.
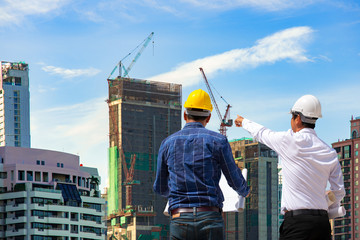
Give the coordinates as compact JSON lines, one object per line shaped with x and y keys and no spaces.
{"x":189,"y":168}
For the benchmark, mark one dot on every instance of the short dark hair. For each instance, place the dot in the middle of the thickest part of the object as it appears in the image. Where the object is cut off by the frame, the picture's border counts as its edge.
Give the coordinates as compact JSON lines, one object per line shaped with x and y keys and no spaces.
{"x":308,"y":125}
{"x":196,"y":118}
{"x":305,"y":124}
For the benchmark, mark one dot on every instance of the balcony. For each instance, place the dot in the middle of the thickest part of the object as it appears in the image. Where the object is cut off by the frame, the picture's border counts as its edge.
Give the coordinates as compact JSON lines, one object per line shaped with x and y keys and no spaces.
{"x":15,"y":232}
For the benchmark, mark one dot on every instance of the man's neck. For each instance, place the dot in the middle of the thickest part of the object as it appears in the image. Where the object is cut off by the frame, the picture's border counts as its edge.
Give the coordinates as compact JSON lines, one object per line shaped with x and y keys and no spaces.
{"x":191,"y":120}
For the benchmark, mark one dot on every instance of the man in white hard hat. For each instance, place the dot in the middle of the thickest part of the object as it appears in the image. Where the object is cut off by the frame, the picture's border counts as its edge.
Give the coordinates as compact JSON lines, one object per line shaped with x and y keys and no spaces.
{"x":308,"y":164}
{"x":189,"y":167}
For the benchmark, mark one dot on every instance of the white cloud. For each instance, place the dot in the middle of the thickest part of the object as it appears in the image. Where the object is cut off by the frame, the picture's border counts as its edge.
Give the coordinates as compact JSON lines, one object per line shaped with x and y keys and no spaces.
{"x":80,"y":129}
{"x":15,"y":12}
{"x":284,"y":45}
{"x":70,"y":73}
{"x":268,"y":5}
{"x":322,"y":58}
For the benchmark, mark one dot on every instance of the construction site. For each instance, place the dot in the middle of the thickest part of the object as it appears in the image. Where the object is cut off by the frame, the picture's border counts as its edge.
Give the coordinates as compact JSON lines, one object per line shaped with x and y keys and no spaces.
{"x":142,"y":114}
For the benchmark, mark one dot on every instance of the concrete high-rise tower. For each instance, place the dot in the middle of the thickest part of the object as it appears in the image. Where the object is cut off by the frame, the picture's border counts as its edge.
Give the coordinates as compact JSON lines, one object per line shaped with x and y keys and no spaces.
{"x":141,"y":115}
{"x":14,"y":104}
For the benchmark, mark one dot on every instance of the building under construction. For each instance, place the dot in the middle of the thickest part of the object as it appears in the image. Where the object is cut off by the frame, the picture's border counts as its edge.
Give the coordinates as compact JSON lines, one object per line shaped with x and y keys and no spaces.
{"x":259,"y":220}
{"x":141,"y":114}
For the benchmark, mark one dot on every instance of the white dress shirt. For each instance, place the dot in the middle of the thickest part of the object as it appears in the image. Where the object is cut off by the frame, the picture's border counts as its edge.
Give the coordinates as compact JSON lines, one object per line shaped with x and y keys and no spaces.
{"x":307,"y":164}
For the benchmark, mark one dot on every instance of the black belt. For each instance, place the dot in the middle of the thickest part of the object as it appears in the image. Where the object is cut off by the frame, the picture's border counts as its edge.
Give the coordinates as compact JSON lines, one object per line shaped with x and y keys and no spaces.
{"x":195,"y":209}
{"x":311,"y":212}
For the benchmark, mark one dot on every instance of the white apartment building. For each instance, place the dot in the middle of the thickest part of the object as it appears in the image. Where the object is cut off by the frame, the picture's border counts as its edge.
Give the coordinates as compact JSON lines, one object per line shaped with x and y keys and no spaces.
{"x":14,"y":104}
{"x":47,"y":195}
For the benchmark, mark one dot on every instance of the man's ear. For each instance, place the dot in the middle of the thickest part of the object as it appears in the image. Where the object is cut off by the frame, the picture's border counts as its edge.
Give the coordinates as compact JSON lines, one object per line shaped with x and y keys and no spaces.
{"x":208,"y":118}
{"x":185,"y":116}
{"x":298,"y":121}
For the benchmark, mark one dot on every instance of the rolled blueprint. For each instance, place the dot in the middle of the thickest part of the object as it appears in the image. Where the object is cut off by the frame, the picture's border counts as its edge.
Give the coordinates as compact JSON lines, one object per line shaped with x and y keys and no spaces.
{"x":330,"y":198}
{"x":337,"y":212}
{"x":240,"y":205}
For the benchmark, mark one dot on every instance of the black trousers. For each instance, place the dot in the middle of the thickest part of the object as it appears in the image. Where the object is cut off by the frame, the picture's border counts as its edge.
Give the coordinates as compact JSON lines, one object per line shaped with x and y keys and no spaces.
{"x":305,"y":227}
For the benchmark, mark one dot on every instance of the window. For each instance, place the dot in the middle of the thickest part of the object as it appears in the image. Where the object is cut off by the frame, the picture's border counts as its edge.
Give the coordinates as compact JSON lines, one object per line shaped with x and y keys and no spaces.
{"x":357,"y":145}
{"x":356,"y":183}
{"x":356,"y":153}
{"x":42,"y":162}
{"x":356,"y":160}
{"x":347,"y":151}
{"x":21,"y":175}
{"x":45,"y":177}
{"x":3,"y":175}
{"x":62,"y":165}
{"x":38,"y":176}
{"x":37,"y":162}
{"x":58,"y":164}
{"x":29,"y":175}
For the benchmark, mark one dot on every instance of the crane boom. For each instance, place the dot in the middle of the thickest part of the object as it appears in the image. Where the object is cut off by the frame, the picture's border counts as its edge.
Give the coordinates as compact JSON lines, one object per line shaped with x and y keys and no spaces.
{"x":224,"y":121}
{"x":120,"y":65}
{"x":211,"y":95}
{"x":147,"y":40}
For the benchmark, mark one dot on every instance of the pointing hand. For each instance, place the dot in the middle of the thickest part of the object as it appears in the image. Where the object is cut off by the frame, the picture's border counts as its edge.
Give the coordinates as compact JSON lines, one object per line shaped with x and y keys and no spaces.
{"x":238,"y":121}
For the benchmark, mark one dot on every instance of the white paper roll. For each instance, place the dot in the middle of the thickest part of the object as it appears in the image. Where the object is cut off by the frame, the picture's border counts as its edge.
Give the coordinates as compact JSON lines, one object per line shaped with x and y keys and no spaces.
{"x":337,"y":212}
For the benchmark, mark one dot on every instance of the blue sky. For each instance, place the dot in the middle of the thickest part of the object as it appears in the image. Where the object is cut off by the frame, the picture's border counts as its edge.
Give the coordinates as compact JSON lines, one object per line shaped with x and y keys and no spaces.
{"x":261,"y":56}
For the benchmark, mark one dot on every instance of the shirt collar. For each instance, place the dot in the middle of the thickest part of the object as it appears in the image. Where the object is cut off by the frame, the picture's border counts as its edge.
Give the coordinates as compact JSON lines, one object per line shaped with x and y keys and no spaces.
{"x":194,"y":125}
{"x":308,"y":130}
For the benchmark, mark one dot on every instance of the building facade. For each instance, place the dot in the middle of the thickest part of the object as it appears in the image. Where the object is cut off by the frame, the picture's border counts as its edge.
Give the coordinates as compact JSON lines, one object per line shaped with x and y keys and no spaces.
{"x":141,"y":115}
{"x":347,"y":227}
{"x":280,"y":177}
{"x":14,"y":104}
{"x":259,"y":220}
{"x":46,"y":195}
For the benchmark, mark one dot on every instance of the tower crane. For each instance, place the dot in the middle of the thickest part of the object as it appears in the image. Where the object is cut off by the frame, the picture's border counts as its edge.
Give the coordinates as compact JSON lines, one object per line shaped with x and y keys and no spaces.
{"x":120,"y":65}
{"x":224,"y":121}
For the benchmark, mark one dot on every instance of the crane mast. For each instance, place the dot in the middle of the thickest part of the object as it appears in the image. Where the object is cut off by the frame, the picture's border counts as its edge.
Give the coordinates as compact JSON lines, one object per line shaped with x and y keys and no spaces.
{"x":224,"y":121}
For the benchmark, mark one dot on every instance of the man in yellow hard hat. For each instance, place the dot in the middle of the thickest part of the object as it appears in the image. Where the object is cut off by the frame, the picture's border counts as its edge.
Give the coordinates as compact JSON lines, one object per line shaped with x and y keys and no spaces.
{"x":189,"y":167}
{"x":308,"y":164}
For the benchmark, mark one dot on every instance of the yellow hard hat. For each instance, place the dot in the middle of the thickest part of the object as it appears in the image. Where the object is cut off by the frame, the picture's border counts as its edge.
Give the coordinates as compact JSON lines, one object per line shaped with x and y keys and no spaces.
{"x":199,"y":99}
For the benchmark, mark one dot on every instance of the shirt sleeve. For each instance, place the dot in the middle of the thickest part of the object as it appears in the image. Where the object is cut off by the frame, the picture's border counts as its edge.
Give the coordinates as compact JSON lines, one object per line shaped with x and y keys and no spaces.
{"x":232,"y":172}
{"x":273,"y":140}
{"x":337,"y":183}
{"x":162,"y":174}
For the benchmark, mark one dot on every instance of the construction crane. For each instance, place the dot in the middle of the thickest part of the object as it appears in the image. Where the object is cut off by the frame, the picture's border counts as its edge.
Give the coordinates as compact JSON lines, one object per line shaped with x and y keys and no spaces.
{"x":224,"y":121}
{"x":129,"y":178}
{"x":120,"y":65}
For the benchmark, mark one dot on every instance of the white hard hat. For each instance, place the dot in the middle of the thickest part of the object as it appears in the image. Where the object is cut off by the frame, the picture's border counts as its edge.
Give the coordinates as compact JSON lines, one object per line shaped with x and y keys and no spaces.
{"x":309,"y":106}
